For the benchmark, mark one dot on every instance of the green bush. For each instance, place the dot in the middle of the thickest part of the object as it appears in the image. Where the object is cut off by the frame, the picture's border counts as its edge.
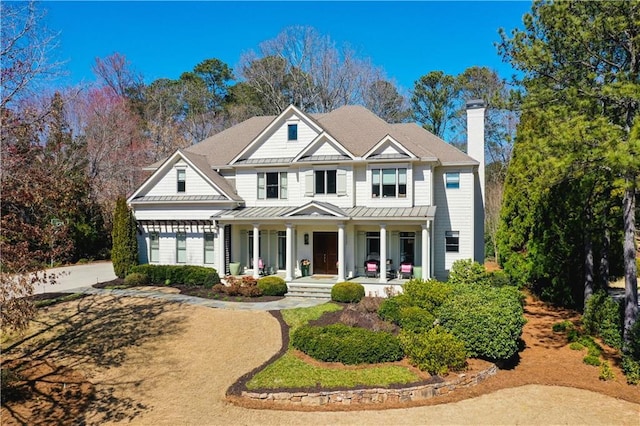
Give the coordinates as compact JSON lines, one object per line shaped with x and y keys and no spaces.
{"x":190,"y":275}
{"x":591,"y":360}
{"x":136,"y":279}
{"x":391,"y":306}
{"x":631,"y":369}
{"x":347,"y":292}
{"x":466,"y":271}
{"x":415,"y":319}
{"x":487,"y":319}
{"x":272,"y":286}
{"x":428,"y":294}
{"x":603,"y":317}
{"x":124,"y":253}
{"x":435,"y":351}
{"x":349,"y":345}
{"x":576,"y":346}
{"x":499,"y":278}
{"x":606,"y":373}
{"x":563,"y":326}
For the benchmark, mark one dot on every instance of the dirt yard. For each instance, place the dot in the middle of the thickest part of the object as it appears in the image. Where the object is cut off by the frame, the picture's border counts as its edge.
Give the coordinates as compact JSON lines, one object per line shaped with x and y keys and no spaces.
{"x":131,"y":360}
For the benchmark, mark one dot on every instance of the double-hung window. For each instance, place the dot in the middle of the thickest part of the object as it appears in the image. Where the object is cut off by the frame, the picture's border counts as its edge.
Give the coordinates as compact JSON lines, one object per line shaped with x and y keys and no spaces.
{"x":181,"y":247}
{"x":326,"y":181}
{"x":452,"y":241}
{"x":182,"y":180}
{"x":452,"y":180}
{"x":209,"y":243}
{"x":272,"y":185}
{"x":389,"y":182}
{"x":154,"y":247}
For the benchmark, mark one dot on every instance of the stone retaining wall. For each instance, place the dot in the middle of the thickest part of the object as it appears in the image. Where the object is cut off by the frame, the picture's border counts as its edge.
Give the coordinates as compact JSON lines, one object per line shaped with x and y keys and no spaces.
{"x":373,"y":396}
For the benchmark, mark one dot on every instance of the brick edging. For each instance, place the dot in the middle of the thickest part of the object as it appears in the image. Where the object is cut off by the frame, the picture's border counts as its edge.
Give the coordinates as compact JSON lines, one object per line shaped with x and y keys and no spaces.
{"x":372,"y":396}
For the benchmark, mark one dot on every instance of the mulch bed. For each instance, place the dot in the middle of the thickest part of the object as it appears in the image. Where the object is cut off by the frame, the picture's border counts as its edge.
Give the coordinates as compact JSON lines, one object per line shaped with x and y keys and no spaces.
{"x":195,"y":291}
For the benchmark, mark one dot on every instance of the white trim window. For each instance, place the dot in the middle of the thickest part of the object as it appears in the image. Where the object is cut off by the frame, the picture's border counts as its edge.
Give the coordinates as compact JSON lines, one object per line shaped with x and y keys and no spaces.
{"x":154,"y":247}
{"x":209,"y":247}
{"x":181,"y":247}
{"x":452,"y":241}
{"x":292,"y":132}
{"x":452,"y":180}
{"x":326,"y":181}
{"x":272,"y":185}
{"x":389,"y":183}
{"x":182,"y":180}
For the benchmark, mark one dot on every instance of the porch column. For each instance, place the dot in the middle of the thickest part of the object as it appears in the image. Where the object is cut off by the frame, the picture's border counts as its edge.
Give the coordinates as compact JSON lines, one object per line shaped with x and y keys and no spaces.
{"x":424,"y":258}
{"x":222,"y":268}
{"x":383,"y":253}
{"x":289,"y":257}
{"x":256,"y":250}
{"x":341,"y":252}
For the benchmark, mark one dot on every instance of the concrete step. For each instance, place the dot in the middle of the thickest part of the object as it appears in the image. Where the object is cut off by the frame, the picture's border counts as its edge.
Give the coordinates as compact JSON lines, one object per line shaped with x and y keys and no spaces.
{"x":310,"y":290}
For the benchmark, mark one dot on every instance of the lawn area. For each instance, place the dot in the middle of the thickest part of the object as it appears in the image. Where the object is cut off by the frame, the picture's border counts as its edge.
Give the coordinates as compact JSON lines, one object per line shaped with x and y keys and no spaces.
{"x":290,"y":371}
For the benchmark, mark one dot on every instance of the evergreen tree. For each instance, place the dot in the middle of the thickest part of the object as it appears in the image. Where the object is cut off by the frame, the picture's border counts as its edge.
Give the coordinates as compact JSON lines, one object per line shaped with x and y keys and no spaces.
{"x":581,"y":68}
{"x":124,"y":253}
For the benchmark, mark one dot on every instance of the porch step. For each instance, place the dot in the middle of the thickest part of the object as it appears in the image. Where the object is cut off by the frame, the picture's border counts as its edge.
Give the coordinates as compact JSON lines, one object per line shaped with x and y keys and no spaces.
{"x":320,"y":291}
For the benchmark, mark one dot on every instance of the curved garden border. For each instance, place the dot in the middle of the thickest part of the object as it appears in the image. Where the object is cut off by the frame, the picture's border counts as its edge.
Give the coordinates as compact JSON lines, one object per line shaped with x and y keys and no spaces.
{"x":392,"y":395}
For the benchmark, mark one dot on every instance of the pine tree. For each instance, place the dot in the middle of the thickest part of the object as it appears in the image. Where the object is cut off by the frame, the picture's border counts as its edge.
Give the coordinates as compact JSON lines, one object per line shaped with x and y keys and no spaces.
{"x":124,"y":253}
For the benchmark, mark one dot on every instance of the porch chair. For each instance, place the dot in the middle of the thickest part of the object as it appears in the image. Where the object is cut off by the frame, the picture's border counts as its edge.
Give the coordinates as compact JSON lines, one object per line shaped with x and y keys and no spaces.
{"x":406,"y":270}
{"x":261,"y":266}
{"x":371,"y":269}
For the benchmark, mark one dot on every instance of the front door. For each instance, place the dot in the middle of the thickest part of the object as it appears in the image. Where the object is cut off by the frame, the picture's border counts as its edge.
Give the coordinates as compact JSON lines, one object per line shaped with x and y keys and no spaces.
{"x":325,"y":253}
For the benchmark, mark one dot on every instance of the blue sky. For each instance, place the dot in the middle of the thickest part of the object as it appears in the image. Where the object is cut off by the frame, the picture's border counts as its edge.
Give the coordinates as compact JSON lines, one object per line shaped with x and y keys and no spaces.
{"x":164,"y":39}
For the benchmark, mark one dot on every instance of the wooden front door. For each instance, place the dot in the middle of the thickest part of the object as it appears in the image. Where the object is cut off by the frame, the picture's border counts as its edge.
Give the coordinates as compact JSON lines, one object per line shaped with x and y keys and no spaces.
{"x":325,"y":253}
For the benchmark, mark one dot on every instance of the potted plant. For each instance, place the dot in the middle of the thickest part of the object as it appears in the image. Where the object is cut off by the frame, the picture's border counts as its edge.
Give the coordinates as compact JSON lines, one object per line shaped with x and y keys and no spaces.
{"x":304,"y":267}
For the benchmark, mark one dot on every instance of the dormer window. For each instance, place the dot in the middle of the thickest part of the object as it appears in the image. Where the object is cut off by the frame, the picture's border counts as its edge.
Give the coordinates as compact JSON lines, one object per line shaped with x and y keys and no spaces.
{"x":292,"y":132}
{"x":182,"y":180}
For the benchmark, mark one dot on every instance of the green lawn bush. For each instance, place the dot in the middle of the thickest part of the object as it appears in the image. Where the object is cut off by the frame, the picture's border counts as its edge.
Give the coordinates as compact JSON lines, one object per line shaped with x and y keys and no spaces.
{"x":272,"y":286}
{"x":604,"y":317}
{"x":428,"y":294}
{"x":414,"y":319}
{"x":487,"y":319}
{"x":136,"y":279}
{"x":499,"y":278}
{"x":348,"y":345}
{"x":391,"y":306}
{"x":436,"y":351}
{"x":466,"y":271}
{"x":179,"y":274}
{"x":347,"y":292}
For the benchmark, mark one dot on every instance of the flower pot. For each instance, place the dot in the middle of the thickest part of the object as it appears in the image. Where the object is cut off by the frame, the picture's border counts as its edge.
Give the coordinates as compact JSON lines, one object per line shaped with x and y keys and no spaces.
{"x":234,"y":268}
{"x":304,"y":269}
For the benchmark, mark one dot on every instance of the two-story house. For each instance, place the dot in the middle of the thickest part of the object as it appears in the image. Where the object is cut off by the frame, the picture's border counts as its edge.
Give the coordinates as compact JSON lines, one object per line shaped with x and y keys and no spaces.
{"x":334,"y":190}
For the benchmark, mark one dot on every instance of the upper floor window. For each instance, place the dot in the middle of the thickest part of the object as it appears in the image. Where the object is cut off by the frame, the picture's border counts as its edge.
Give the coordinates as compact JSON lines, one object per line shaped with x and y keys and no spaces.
{"x":452,"y":180}
{"x":452,"y":241}
{"x":292,"y":132}
{"x":389,"y":182}
{"x":326,"y":181}
{"x":272,"y":185}
{"x":182,"y":180}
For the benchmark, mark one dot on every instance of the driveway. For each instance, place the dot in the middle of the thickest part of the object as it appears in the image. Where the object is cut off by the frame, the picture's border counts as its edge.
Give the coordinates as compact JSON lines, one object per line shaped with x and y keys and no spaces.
{"x":78,"y":276}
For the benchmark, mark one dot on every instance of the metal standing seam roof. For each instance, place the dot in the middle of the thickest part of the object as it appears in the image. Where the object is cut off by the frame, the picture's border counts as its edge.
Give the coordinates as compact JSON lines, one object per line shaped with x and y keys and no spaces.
{"x":396,"y":213}
{"x":183,"y":198}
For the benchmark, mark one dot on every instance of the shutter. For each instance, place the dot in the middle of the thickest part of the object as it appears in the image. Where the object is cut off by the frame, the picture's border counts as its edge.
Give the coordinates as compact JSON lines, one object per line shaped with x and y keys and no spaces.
{"x":261,"y":186}
{"x":342,"y":182}
{"x":283,"y":185}
{"x":308,"y":183}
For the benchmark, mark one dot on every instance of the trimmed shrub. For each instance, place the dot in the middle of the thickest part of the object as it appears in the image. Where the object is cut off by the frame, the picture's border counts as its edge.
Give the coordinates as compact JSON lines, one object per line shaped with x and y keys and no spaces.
{"x":603,"y":317}
{"x":436,"y":351}
{"x":428,"y":294}
{"x":466,"y":271}
{"x":416,"y":320}
{"x":347,"y":292}
{"x":124,"y":253}
{"x":487,"y":319}
{"x":272,"y":286}
{"x":190,"y":275}
{"x":136,"y":279}
{"x":348,"y":345}
{"x":390,"y":308}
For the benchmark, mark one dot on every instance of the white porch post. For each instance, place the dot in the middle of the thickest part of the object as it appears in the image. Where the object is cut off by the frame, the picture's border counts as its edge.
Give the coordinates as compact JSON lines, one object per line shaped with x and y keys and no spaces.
{"x":256,"y":250}
{"x":424,"y":258}
{"x":383,"y":253}
{"x":289,"y":257}
{"x":221,"y":252}
{"x":341,"y":256}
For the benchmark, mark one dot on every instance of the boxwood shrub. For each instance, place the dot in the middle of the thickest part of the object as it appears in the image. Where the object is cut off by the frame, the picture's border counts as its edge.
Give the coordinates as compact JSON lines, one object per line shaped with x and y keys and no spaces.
{"x":436,"y":351}
{"x":135,"y":279}
{"x":391,"y":306}
{"x":487,"y":319}
{"x":272,"y":286}
{"x":467,"y":271}
{"x":347,"y":292}
{"x":415,"y":319}
{"x":179,"y":274}
{"x":428,"y":294}
{"x":348,"y":345}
